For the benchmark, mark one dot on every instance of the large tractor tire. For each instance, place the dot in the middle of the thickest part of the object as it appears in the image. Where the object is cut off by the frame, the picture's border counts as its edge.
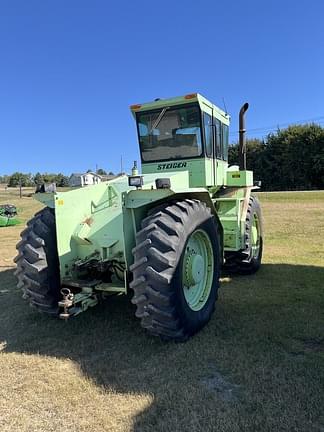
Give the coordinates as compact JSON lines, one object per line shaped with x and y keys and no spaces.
{"x":176,"y":269}
{"x":248,"y":260}
{"x":38,"y":264}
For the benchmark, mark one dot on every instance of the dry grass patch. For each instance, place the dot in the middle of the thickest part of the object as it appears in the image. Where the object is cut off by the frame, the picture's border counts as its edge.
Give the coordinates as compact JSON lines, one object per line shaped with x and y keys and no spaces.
{"x":257,"y":366}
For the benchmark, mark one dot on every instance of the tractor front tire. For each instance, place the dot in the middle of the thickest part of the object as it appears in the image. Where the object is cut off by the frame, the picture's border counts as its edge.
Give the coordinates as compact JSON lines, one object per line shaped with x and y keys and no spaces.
{"x":176,"y":269}
{"x":38,"y":264}
{"x":248,"y":260}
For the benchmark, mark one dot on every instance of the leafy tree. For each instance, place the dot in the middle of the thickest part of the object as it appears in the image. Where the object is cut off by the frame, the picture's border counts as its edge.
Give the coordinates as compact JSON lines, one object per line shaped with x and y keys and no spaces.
{"x":18,"y":178}
{"x":38,"y":178}
{"x":61,"y":180}
{"x":101,"y":171}
{"x":4,"y":179}
{"x":290,"y":159}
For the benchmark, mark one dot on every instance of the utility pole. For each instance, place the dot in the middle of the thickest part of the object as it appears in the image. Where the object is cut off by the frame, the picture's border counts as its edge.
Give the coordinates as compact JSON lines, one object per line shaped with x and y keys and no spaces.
{"x":121,"y":165}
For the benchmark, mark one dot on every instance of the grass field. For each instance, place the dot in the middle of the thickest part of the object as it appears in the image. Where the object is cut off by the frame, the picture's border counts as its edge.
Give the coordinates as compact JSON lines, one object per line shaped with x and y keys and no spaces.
{"x":257,"y":366}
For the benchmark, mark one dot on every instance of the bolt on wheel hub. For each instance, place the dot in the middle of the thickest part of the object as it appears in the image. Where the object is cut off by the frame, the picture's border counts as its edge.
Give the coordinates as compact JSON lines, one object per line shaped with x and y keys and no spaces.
{"x":194,"y":270}
{"x":197,"y":270}
{"x":255,"y":237}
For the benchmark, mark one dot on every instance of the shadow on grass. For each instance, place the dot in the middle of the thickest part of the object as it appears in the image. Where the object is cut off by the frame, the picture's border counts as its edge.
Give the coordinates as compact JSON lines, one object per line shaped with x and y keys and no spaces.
{"x":256,"y":321}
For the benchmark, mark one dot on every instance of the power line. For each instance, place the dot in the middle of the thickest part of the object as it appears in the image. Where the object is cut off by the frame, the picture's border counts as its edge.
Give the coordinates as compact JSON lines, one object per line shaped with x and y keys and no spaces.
{"x":268,"y":129}
{"x":265,"y":132}
{"x":288,"y":123}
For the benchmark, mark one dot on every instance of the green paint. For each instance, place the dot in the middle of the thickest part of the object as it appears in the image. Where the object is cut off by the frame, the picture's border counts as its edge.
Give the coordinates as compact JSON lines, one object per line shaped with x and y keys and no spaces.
{"x":8,"y":215}
{"x":204,"y":104}
{"x":255,"y":236}
{"x":197,"y":270}
{"x":8,"y":221}
{"x":206,"y":170}
{"x":99,"y":223}
{"x":239,"y":178}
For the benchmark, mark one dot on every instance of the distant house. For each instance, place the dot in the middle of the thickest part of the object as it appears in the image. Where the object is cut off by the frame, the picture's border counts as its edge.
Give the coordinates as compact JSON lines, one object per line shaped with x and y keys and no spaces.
{"x":86,"y":179}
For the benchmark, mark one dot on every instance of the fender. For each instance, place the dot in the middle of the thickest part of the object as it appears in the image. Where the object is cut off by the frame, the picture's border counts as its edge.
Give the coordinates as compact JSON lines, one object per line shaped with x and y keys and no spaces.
{"x":138,"y":203}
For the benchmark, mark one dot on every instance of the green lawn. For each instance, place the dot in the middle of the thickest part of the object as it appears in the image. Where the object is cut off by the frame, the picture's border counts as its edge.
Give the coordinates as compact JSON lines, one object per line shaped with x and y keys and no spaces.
{"x":257,"y":366}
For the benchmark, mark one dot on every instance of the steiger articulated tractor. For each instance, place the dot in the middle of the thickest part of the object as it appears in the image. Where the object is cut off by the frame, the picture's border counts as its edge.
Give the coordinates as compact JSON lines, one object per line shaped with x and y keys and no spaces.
{"x":164,"y":234}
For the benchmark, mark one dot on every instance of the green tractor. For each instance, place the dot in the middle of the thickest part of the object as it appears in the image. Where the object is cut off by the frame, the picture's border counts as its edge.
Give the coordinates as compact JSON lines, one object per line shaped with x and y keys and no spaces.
{"x":165,"y":234}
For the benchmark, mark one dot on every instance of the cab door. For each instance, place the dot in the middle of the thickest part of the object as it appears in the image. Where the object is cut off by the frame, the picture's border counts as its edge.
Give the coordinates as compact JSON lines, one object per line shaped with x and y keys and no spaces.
{"x":218,"y":152}
{"x":209,"y":149}
{"x":220,"y":148}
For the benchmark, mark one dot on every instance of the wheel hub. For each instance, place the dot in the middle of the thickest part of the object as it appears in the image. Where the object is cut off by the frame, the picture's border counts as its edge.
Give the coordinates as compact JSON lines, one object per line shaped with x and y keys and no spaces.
{"x":198,"y":267}
{"x":195,"y":270}
{"x":255,"y":236}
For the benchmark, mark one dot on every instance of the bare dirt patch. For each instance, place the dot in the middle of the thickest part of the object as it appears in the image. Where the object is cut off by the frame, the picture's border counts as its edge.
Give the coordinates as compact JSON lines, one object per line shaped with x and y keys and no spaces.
{"x":222,"y":386}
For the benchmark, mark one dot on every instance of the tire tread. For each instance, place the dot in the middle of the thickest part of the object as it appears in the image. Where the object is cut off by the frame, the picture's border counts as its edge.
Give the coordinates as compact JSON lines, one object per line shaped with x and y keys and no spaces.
{"x":37,"y":262}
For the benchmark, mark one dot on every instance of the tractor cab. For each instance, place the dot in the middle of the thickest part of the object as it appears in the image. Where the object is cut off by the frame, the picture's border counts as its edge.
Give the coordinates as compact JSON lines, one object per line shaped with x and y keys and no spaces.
{"x":185,"y":133}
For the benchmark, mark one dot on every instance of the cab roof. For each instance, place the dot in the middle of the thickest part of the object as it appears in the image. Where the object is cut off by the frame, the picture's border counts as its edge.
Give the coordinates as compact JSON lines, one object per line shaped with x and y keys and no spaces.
{"x":204,"y":104}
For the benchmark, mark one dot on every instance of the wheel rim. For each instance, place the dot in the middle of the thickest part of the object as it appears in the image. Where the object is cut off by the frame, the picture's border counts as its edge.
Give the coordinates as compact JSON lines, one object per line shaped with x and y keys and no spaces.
{"x":255,"y":236}
{"x":197,"y":270}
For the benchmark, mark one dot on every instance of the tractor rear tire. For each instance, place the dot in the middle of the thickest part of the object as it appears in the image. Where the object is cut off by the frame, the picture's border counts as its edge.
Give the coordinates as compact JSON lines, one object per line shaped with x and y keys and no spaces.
{"x":165,"y":249}
{"x":37,"y":262}
{"x":248,"y":260}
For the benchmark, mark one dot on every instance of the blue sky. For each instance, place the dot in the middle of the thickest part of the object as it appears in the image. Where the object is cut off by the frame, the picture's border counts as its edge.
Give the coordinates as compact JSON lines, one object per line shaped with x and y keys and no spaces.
{"x":70,"y":69}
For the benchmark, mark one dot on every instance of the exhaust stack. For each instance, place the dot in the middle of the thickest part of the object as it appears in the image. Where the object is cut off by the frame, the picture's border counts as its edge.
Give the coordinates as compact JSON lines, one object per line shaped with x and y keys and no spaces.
{"x":242,"y":139}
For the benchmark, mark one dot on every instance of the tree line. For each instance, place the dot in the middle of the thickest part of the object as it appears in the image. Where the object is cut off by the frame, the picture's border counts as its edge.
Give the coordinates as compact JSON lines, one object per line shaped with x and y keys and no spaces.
{"x":27,"y":179}
{"x":290,"y":159}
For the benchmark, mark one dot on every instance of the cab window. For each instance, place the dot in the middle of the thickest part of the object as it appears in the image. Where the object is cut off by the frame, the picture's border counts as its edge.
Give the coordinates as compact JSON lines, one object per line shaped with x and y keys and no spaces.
{"x":208,"y":134}
{"x":170,"y":133}
{"x":225,"y":142}
{"x":218,"y":138}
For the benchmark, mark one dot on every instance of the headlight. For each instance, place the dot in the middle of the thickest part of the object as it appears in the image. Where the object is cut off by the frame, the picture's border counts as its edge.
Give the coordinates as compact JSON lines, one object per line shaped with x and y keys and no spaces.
{"x":136,"y":181}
